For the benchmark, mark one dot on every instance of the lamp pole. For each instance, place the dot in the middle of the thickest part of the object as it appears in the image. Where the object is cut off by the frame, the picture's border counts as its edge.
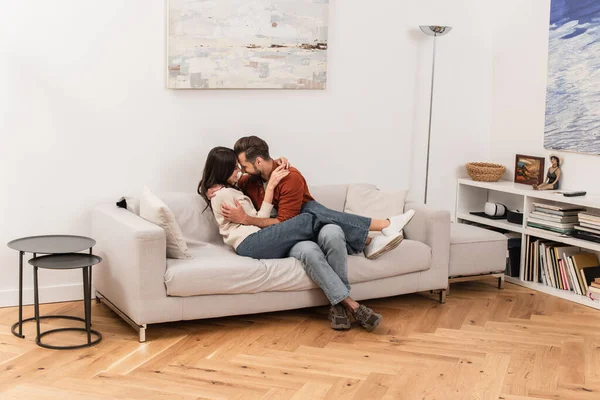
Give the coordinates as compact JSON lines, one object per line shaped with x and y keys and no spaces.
{"x":435,"y":31}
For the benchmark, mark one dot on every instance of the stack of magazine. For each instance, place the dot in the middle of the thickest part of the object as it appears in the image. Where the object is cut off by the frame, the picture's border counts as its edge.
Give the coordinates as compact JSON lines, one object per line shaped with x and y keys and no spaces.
{"x":559,"y":219}
{"x":588,"y":227}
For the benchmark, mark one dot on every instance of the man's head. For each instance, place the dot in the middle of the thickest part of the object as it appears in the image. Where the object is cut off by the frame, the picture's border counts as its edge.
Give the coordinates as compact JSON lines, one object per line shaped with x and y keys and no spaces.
{"x":253,"y":154}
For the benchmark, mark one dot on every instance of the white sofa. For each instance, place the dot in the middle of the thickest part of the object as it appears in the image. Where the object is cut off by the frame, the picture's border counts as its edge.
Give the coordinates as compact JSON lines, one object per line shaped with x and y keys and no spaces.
{"x":140,"y":284}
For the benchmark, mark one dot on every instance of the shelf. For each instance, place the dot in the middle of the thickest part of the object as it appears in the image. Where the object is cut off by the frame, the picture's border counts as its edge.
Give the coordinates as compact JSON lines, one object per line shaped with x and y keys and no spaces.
{"x":563,"y":294}
{"x":521,"y":197}
{"x":497,"y":223}
{"x":557,"y":237}
{"x":589,"y":200}
{"x":501,"y":186}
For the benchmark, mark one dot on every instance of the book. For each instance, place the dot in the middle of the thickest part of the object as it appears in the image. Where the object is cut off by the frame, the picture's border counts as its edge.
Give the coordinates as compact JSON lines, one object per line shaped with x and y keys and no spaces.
{"x":595,"y":284}
{"x":562,"y":253}
{"x":593,"y":221}
{"x":554,"y":212}
{"x":549,"y":262}
{"x":536,"y":266}
{"x":556,"y":266}
{"x":581,"y":261}
{"x":553,"y":217}
{"x":561,"y":225}
{"x":544,"y":264}
{"x":534,"y":259}
{"x":590,"y":273}
{"x":586,"y":229}
{"x":543,"y":272}
{"x":590,"y":216}
{"x":550,"y":228}
{"x":591,"y":227}
{"x":558,"y":208}
{"x":565,"y":278}
{"x":527,"y":257}
{"x":574,"y":278}
{"x":592,"y":237}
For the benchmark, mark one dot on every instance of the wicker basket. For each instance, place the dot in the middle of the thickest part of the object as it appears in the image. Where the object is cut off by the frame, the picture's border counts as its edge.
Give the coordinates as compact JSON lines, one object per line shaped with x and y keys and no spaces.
{"x":485,"y":172}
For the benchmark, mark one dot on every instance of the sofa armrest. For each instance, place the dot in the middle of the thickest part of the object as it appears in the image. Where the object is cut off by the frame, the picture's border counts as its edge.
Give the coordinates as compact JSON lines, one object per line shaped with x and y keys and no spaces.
{"x":432,"y":227}
{"x":131,"y":274}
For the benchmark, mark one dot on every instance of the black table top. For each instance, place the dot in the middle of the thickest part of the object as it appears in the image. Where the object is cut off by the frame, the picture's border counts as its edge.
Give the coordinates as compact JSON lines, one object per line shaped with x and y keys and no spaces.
{"x":65,"y":261}
{"x":52,"y":244}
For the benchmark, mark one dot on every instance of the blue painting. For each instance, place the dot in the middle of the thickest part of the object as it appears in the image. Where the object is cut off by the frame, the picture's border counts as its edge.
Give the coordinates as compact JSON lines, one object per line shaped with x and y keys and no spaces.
{"x":573,"y":95}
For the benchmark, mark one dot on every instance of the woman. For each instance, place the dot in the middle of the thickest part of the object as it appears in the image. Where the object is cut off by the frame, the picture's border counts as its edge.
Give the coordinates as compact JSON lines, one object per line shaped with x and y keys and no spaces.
{"x":222,"y":171}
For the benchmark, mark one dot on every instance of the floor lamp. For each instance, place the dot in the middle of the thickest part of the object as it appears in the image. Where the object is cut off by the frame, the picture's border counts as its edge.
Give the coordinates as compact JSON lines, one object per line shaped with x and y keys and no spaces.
{"x":435,"y":31}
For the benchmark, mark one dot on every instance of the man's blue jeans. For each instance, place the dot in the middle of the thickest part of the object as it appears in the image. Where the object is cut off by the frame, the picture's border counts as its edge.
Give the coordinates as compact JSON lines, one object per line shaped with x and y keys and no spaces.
{"x":355,"y":227}
{"x":326,"y":262}
{"x":337,"y":234}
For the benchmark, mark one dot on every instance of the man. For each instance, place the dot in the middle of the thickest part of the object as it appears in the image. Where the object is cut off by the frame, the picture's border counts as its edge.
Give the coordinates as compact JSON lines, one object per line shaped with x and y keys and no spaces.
{"x":339,"y":233}
{"x":292,"y":197}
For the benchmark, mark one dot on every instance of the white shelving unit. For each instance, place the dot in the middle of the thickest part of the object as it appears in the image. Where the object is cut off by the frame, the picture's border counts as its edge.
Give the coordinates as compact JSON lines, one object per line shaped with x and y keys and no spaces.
{"x":472,"y":196}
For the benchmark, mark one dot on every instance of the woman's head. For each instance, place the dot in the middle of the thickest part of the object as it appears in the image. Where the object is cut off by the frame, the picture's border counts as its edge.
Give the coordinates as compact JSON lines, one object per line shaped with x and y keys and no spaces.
{"x":221,"y":168}
{"x":554,"y":159}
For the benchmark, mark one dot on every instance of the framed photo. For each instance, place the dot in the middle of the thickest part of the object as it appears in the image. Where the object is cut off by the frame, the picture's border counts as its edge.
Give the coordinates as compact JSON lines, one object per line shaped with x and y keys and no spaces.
{"x":529,"y":170}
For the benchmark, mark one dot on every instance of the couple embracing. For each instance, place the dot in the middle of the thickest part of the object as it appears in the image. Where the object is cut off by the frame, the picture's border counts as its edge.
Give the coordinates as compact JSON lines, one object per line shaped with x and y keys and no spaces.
{"x":264,"y":210}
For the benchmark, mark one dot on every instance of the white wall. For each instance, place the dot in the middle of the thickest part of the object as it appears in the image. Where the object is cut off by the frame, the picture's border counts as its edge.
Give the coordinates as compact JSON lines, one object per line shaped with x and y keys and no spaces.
{"x":85,"y":117}
{"x":520,"y":45}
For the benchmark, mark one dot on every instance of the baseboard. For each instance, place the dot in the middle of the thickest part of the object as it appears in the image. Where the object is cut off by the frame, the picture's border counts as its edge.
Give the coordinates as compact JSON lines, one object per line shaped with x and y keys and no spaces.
{"x":48,"y":294}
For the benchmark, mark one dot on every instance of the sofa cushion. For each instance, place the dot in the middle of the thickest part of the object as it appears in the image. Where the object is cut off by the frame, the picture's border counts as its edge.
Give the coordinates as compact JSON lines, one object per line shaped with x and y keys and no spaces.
{"x":331,"y":196}
{"x":217,"y":269}
{"x":410,"y":256}
{"x":368,"y":201}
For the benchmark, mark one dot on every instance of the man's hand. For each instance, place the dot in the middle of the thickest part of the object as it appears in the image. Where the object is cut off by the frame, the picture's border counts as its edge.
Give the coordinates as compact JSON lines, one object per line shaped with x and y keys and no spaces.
{"x":212,"y":192}
{"x":282,"y":161}
{"x":234,"y":214}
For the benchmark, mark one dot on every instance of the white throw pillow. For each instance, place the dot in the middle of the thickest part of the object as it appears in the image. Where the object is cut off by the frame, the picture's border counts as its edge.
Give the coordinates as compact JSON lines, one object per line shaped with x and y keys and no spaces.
{"x":197,"y":222}
{"x":368,"y":201}
{"x":156,"y":211}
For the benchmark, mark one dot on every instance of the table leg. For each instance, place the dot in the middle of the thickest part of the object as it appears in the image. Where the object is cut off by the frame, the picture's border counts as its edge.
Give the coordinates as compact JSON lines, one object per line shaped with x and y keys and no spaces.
{"x":90,"y":305}
{"x":36,"y":303}
{"x":90,"y":284}
{"x":86,"y":301}
{"x":21,"y":294}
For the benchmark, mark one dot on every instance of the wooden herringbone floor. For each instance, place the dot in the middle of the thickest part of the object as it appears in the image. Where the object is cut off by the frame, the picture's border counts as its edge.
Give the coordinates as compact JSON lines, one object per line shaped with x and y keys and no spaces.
{"x":483,"y":344}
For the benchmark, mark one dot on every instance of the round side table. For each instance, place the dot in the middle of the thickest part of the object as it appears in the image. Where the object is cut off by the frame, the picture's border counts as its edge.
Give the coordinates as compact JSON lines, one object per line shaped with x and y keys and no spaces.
{"x":62,"y":262}
{"x":47,"y":244}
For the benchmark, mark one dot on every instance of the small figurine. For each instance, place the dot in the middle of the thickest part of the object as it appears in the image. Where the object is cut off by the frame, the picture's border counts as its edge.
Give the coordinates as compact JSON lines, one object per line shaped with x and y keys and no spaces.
{"x":553,"y":176}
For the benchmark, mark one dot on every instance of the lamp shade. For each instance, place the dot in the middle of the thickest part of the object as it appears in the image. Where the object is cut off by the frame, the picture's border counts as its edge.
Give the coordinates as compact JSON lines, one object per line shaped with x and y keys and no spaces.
{"x":435,"y":30}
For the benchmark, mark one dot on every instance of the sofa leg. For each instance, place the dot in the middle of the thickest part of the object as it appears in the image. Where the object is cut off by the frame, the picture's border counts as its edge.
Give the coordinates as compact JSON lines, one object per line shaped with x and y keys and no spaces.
{"x":501,"y":282}
{"x":443,"y":296}
{"x":140,"y":329}
{"x":448,"y":290}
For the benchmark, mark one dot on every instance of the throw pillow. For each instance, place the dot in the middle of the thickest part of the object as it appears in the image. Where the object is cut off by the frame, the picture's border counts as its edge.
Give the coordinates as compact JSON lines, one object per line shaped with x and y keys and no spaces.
{"x":367,"y":200}
{"x":156,"y":211}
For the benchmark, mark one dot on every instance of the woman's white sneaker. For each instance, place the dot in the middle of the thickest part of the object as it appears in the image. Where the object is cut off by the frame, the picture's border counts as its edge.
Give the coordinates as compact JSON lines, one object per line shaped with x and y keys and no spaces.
{"x":382,"y":244}
{"x":398,"y":223}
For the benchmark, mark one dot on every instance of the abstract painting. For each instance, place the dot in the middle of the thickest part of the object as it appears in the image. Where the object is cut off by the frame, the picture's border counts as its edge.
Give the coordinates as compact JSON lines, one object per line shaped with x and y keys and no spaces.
{"x":573,"y":95}
{"x":247,"y":44}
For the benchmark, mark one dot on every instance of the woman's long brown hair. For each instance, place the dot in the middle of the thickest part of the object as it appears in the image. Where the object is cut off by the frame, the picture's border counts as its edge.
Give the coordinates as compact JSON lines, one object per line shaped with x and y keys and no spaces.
{"x":220,"y":164}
